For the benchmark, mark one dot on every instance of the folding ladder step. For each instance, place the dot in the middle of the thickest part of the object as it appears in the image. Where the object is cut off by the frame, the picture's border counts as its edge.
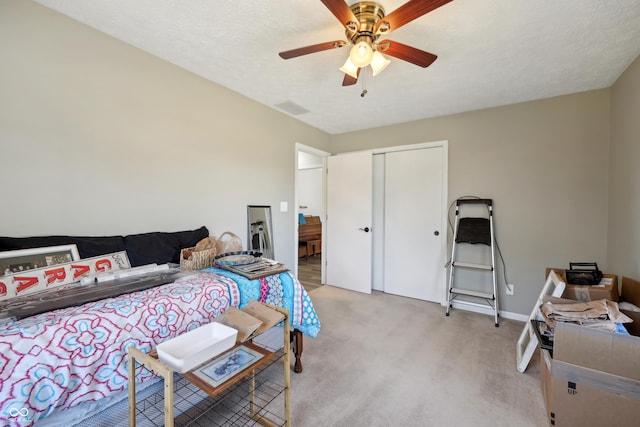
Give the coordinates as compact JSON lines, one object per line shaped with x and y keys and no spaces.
{"x":471,"y":293}
{"x":473,"y":304}
{"x":471,"y":265}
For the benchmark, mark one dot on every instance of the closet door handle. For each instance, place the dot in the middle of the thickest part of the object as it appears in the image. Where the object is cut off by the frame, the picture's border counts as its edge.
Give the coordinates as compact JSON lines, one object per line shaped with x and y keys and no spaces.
{"x":366,"y":229}
{"x":436,"y":233}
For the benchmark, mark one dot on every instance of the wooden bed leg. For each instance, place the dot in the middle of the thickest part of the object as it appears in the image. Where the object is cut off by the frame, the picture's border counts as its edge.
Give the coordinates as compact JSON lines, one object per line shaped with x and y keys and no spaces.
{"x":296,"y":337}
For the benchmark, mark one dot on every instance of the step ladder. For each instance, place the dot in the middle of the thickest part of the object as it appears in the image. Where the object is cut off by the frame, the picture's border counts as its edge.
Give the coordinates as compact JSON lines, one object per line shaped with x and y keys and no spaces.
{"x":478,"y":232}
{"x":528,"y":341}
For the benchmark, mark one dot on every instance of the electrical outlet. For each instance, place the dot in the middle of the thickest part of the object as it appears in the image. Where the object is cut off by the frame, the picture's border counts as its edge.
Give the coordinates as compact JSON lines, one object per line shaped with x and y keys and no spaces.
{"x":510,"y":288}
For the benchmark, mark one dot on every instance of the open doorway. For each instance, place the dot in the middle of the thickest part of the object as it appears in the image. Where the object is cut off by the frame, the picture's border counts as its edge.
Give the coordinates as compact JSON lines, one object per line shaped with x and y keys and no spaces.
{"x":310,"y":210}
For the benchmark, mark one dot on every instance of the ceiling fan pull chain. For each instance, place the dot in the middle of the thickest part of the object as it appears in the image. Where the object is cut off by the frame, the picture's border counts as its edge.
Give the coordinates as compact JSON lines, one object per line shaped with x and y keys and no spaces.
{"x":364,"y":87}
{"x":365,"y":77}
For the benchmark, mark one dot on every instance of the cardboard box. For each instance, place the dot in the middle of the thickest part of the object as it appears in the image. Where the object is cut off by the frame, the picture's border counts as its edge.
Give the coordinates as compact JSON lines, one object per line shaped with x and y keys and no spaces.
{"x":241,"y":321}
{"x":593,"y":378}
{"x":631,"y":293}
{"x":607,"y":289}
{"x":545,"y":377}
{"x":252,"y":320}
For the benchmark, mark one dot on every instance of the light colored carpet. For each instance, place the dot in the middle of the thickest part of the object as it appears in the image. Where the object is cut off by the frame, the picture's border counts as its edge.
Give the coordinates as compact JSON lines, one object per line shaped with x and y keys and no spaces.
{"x":384,"y":360}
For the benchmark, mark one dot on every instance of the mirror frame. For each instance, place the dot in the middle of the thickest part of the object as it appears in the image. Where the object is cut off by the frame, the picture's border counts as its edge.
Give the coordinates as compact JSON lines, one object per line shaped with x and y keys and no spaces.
{"x":268,"y":251}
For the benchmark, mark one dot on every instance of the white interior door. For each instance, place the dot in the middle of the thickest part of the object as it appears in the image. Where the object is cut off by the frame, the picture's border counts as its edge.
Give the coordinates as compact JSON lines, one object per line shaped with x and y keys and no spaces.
{"x":414,"y":240}
{"x":349,"y":219}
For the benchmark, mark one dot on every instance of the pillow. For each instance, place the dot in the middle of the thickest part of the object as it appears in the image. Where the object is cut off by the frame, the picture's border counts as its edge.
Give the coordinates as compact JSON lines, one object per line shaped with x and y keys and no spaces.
{"x":160,"y":247}
{"x":142,"y":249}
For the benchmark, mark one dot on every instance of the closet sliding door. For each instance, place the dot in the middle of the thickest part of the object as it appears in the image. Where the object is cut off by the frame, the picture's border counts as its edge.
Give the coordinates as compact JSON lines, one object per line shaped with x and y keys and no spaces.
{"x":414,"y":238}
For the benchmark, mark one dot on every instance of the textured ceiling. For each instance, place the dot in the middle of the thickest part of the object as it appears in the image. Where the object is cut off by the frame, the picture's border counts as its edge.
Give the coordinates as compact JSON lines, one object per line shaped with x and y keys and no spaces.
{"x":490,"y":52}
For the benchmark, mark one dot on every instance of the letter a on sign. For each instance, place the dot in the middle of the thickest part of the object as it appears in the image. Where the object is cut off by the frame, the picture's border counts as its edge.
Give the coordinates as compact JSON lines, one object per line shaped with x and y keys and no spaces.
{"x":25,"y":283}
{"x":79,"y":270}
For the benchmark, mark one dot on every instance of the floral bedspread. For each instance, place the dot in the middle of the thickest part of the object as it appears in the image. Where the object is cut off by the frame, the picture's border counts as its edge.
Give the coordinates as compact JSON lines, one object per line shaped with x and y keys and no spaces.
{"x":59,"y":359}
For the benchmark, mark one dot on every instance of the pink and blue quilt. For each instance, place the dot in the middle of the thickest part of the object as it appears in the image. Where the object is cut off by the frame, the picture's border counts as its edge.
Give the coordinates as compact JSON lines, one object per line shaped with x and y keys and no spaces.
{"x":60,"y":359}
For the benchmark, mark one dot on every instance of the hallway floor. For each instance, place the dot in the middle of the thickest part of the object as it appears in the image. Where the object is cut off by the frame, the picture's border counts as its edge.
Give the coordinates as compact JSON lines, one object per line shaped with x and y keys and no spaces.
{"x":309,"y":272}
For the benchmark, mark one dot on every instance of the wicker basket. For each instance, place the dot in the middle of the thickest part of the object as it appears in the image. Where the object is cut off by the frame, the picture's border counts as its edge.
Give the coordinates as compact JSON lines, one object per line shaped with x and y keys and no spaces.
{"x":191,"y":259}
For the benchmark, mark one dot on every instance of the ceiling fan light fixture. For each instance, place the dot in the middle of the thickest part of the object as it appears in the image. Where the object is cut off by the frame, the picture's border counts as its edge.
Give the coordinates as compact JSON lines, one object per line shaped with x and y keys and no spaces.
{"x":350,"y":69}
{"x":361,"y":54}
{"x":378,"y":63}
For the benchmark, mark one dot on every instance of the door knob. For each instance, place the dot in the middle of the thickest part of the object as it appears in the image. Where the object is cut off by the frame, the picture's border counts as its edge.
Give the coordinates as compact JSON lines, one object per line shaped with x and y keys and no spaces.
{"x":366,"y":229}
{"x":436,"y":233}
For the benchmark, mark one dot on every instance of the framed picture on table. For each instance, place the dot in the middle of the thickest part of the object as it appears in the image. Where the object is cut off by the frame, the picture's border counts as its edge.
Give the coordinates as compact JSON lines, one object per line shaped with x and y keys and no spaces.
{"x":230,"y":364}
{"x":12,"y":262}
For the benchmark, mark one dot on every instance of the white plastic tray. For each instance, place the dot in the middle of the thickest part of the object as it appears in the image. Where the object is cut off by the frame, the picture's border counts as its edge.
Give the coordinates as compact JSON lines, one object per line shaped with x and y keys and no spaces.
{"x":186,"y":351}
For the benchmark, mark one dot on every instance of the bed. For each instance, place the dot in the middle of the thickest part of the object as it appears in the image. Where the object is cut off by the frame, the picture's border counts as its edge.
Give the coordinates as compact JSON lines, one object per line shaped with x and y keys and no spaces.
{"x":74,"y":359}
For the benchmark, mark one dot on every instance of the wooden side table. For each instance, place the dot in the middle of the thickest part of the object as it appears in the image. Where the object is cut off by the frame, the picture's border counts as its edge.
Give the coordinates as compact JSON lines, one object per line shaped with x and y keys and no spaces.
{"x":150,"y":361}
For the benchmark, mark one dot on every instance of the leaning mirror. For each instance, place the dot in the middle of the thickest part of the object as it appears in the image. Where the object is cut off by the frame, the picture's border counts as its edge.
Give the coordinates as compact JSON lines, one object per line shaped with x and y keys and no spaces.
{"x":259,"y":230}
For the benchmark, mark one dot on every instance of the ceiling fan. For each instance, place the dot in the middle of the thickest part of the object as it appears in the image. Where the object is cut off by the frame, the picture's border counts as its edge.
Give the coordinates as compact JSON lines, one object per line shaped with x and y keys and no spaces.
{"x":365,"y":22}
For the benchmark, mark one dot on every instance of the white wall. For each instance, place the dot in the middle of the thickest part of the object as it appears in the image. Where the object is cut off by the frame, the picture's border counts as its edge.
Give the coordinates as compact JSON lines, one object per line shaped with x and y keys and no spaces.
{"x":310,"y":181}
{"x":545,"y":164}
{"x":308,"y":160}
{"x":98,"y":137}
{"x":310,"y":191}
{"x":623,"y":255}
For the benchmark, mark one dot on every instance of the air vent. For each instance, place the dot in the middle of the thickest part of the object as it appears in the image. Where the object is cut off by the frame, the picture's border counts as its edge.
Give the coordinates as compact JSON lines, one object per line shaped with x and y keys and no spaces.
{"x":291,"y":108}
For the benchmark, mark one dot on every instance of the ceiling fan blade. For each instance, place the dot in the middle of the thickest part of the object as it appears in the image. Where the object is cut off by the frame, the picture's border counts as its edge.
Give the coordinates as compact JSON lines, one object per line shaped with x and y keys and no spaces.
{"x":341,"y":10}
{"x":312,"y":49}
{"x":406,"y":13}
{"x":407,"y":53}
{"x":349,"y":80}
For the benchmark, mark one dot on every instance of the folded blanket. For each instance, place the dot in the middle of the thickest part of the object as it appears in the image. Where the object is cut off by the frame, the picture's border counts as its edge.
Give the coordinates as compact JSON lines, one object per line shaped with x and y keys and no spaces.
{"x":600,"y":314}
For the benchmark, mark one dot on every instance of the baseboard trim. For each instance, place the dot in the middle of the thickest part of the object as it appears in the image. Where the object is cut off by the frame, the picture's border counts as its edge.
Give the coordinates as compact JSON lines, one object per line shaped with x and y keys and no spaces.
{"x":489,"y":311}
